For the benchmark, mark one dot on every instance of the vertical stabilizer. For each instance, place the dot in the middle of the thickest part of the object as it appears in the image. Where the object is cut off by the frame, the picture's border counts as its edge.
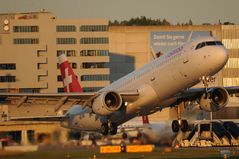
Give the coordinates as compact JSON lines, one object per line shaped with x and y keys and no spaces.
{"x":69,"y":78}
{"x":145,"y":119}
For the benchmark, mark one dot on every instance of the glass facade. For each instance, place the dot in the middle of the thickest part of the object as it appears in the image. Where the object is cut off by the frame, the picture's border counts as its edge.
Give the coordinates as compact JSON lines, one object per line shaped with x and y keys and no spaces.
{"x":26,"y":41}
{"x":59,"y":78}
{"x":89,"y":65}
{"x":66,"y":52}
{"x":8,"y":66}
{"x":8,"y":78}
{"x":230,"y":39}
{"x":95,"y":77}
{"x":65,"y":28}
{"x":29,"y":90}
{"x":91,"y":89}
{"x":60,"y":90}
{"x":17,"y":29}
{"x":94,"y":53}
{"x":98,"y":40}
{"x":66,"y":41}
{"x":94,"y":28}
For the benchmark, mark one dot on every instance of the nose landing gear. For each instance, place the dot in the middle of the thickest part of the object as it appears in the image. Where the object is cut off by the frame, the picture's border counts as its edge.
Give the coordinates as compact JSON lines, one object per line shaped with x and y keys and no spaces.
{"x":206,"y":79}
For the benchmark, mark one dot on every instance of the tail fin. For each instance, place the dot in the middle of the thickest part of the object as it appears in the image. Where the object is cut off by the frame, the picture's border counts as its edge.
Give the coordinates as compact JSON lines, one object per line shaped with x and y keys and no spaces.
{"x":145,"y":119}
{"x":69,"y":78}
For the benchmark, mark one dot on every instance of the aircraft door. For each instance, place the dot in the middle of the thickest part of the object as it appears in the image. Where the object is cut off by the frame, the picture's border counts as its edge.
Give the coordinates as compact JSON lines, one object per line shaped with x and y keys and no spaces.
{"x":184,"y":67}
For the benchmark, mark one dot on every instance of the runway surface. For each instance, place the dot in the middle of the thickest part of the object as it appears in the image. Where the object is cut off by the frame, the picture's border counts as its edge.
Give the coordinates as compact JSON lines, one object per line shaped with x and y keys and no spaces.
{"x":158,"y":153}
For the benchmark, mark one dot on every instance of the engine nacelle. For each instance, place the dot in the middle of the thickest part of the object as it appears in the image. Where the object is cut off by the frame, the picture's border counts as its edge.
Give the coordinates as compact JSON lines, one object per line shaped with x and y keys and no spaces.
{"x":214,"y":100}
{"x":107,"y":103}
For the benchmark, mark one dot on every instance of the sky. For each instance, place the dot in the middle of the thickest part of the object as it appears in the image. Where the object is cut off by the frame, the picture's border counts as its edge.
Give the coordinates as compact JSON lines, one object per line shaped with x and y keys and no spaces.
{"x":200,"y":11}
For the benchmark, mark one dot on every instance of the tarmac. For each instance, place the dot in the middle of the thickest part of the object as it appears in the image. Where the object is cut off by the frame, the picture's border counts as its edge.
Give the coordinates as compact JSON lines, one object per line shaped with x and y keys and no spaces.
{"x":94,"y":153}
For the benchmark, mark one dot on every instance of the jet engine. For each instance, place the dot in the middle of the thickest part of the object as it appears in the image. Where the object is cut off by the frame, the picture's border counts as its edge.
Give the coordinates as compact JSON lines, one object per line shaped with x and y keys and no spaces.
{"x":107,"y":103}
{"x":214,"y":99}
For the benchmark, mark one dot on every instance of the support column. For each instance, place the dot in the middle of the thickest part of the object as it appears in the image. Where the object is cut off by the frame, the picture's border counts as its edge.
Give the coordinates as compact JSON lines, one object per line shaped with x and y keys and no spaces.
{"x":24,"y":140}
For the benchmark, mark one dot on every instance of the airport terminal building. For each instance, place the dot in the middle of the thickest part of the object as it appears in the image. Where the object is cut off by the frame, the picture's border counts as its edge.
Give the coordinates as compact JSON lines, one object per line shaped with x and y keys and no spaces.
{"x":99,"y":54}
{"x":31,"y":42}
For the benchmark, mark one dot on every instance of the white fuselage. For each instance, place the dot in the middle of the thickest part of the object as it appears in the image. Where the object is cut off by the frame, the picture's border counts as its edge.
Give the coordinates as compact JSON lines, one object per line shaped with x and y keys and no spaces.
{"x":159,"y":132}
{"x":161,"y":79}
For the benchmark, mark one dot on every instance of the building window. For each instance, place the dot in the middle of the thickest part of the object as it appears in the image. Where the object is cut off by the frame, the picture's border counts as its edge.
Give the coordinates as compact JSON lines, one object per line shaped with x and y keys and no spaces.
{"x":60,"y":52}
{"x":8,"y":66}
{"x":230,"y":82}
{"x":100,"y":40}
{"x":232,"y":63}
{"x":18,"y":29}
{"x":87,"y":65}
{"x":91,"y":89}
{"x":92,"y":28}
{"x":8,"y":78}
{"x":66,"y":41}
{"x":60,"y":90}
{"x":94,"y":77}
{"x":26,"y":41}
{"x":59,"y":78}
{"x":31,"y":136}
{"x":66,"y":28}
{"x":29,"y":90}
{"x":70,"y":52}
{"x":74,"y":65}
{"x":94,"y":53}
{"x":66,"y":52}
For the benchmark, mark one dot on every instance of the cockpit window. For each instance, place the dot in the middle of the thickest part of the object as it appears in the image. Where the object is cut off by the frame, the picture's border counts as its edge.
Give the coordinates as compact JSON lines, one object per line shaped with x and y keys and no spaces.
{"x":211,"y":43}
{"x":208,"y":43}
{"x":200,"y":45}
{"x":219,"y":43}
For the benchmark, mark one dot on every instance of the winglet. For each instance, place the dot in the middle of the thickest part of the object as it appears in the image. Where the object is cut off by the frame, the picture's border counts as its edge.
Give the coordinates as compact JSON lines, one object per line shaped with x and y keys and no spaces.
{"x":69,"y":78}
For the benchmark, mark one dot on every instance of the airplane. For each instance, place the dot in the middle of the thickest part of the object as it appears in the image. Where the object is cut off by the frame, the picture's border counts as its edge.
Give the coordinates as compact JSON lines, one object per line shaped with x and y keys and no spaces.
{"x":155,"y":133}
{"x":159,"y":132}
{"x":162,"y":83}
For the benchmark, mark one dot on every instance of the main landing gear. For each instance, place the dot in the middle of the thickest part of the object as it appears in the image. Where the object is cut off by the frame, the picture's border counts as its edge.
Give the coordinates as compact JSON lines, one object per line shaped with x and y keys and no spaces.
{"x":180,"y":124}
{"x":107,"y":128}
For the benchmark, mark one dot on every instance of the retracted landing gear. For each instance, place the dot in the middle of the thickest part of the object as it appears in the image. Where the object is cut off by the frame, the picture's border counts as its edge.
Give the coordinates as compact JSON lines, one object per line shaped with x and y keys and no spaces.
{"x":113,"y":128}
{"x":107,"y":128}
{"x":180,"y":124}
{"x":104,"y":129}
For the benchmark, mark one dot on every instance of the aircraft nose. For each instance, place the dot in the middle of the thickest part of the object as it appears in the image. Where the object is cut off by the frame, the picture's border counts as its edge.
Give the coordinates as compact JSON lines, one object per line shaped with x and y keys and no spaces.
{"x":221,"y":55}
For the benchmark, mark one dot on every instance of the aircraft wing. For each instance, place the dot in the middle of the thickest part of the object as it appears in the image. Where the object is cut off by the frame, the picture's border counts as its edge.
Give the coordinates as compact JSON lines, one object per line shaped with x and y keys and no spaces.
{"x":83,"y":98}
{"x":31,"y":98}
{"x":39,"y":118}
{"x":194,"y":93}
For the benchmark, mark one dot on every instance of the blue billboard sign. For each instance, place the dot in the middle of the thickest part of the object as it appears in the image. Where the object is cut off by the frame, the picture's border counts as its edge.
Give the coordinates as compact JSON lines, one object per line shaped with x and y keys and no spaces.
{"x":164,"y":41}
